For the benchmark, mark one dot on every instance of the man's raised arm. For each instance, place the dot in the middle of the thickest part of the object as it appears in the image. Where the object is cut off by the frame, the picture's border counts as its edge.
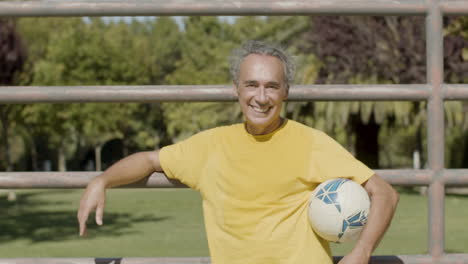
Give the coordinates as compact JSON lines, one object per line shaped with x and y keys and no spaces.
{"x":127,"y":170}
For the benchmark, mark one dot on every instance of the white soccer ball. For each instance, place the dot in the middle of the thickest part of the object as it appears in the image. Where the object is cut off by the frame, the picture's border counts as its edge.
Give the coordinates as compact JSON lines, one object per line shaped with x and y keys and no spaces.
{"x":338,"y":210}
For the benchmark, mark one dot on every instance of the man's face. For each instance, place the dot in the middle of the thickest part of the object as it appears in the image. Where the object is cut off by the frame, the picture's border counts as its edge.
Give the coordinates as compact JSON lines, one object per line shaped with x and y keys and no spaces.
{"x":261,"y":91}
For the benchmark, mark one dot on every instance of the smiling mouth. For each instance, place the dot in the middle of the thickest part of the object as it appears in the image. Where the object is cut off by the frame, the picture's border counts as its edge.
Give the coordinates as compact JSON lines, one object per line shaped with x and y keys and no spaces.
{"x":260,"y":109}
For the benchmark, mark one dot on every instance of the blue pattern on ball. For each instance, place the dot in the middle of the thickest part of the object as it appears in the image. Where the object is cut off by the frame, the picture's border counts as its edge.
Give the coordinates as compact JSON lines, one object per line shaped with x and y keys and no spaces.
{"x":328,"y":194}
{"x":353,"y":221}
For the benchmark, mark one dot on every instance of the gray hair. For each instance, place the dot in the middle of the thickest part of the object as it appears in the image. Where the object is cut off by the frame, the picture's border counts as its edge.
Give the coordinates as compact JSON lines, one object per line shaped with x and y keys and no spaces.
{"x":258,"y":47}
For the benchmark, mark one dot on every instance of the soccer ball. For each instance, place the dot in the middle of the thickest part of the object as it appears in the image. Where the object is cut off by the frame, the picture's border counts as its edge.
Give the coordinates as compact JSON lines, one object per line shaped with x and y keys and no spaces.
{"x":338,"y":210}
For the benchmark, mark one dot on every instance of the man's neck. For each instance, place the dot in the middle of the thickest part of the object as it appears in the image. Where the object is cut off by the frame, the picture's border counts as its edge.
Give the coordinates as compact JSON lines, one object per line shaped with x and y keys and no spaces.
{"x":258,"y":131}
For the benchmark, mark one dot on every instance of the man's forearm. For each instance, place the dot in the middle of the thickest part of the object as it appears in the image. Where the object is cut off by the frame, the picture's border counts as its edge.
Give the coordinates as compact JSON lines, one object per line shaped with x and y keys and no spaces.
{"x":384,"y":200}
{"x":130,"y":169}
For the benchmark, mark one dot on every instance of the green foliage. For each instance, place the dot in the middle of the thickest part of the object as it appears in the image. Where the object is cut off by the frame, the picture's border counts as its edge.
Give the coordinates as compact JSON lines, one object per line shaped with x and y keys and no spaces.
{"x":74,"y":51}
{"x":12,"y":61}
{"x":398,"y":144}
{"x":206,"y":44}
{"x":286,"y":30}
{"x":458,"y":26}
{"x":204,"y":48}
{"x":165,"y":49}
{"x":185,"y":119}
{"x":248,"y":27}
{"x":456,"y":50}
{"x":99,"y":53}
{"x":456,"y":112}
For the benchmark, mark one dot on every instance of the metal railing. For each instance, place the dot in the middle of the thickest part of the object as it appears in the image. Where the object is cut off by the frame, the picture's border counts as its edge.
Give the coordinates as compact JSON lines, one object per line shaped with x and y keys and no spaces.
{"x":435,"y":92}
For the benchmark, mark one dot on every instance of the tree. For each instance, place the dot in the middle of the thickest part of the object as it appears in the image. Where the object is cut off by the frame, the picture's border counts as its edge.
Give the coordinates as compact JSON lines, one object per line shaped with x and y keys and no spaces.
{"x":359,"y":50}
{"x":165,"y":48}
{"x":12,"y":58}
{"x":164,"y":51}
{"x":205,"y":46}
{"x":40,"y":120}
{"x":455,"y":69}
{"x":95,"y":52}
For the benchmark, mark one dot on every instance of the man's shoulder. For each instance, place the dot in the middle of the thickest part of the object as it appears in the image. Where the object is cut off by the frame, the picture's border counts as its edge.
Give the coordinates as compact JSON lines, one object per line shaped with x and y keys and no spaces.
{"x":214,"y":132}
{"x":302,"y":128}
{"x":307,"y":134}
{"x":226,"y":129}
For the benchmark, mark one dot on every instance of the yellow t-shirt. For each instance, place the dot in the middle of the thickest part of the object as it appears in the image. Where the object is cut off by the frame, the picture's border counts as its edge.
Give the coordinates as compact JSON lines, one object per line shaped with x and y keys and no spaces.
{"x":255,"y":189}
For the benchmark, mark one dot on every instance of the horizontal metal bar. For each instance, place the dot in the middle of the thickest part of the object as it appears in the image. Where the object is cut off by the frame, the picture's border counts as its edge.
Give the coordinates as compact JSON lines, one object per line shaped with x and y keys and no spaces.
{"x":455,"y":91}
{"x":395,"y":259}
{"x":406,"y":177}
{"x":26,"y":180}
{"x":41,"y":180}
{"x":174,"y":260}
{"x":455,"y":177}
{"x":194,"y":93}
{"x":68,"y":180}
{"x":77,"y":94}
{"x":417,"y":259}
{"x":454,"y":7}
{"x":209,"y":7}
{"x":343,"y":92}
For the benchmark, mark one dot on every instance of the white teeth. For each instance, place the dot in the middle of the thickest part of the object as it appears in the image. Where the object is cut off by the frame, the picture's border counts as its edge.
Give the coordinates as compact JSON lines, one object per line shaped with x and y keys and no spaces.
{"x":260,"y":110}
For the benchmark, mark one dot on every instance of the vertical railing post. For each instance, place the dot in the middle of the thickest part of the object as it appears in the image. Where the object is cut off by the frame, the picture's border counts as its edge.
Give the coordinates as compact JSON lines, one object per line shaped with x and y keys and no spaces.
{"x":435,"y":127}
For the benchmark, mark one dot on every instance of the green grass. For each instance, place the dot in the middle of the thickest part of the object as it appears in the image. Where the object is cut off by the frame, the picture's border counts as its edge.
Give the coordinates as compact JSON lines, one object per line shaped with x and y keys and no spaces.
{"x":169,"y":222}
{"x":137,"y":223}
{"x":456,"y":219}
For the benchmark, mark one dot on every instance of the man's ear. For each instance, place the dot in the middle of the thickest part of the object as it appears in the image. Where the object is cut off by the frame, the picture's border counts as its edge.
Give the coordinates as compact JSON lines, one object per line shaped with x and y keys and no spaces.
{"x":287,"y":93}
{"x":235,"y":87}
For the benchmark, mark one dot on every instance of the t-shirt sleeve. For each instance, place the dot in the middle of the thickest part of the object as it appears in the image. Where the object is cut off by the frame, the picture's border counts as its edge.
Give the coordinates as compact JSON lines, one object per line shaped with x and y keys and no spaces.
{"x":333,"y":161}
{"x":185,"y":160}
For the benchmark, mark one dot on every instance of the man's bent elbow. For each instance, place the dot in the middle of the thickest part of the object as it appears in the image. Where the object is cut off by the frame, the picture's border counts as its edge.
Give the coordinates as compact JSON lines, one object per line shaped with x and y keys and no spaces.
{"x":379,"y":189}
{"x":394,"y":197}
{"x":153,"y":157}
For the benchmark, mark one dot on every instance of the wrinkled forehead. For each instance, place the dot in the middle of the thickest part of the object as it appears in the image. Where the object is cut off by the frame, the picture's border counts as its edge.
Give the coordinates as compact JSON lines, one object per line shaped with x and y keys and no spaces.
{"x":261,"y":67}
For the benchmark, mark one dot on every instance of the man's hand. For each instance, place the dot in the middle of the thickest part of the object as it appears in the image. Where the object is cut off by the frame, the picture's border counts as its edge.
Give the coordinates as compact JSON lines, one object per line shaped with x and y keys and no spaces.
{"x":93,"y":199}
{"x":128,"y":170}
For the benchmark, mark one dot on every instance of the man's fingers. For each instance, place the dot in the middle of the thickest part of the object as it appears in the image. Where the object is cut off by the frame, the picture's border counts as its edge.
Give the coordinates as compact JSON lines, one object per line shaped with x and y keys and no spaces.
{"x":99,"y":213}
{"x":82,"y":217}
{"x":93,"y":200}
{"x":83,"y":230}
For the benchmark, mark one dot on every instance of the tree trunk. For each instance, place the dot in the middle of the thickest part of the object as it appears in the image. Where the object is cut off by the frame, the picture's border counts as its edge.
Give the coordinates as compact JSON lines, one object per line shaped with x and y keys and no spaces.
{"x":367,"y":141}
{"x":34,"y":160}
{"x":419,"y":145}
{"x":33,"y":149}
{"x":62,"y":161}
{"x":125,"y":146}
{"x":6,"y":142}
{"x":97,"y":157}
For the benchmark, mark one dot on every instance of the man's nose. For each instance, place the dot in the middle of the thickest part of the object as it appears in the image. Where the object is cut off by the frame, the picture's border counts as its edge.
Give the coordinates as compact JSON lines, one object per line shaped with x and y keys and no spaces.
{"x":261,"y":97}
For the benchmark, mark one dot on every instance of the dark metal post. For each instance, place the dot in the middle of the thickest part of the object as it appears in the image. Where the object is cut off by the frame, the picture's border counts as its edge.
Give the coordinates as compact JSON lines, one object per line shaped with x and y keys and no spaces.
{"x":436,"y":140}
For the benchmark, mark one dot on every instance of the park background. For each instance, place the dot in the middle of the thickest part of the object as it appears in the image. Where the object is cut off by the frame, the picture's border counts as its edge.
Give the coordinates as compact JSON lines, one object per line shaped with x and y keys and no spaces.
{"x":194,"y":50}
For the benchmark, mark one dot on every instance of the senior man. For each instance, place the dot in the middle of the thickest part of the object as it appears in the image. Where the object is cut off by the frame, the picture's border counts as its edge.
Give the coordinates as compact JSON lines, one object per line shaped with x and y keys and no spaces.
{"x":255,"y":178}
